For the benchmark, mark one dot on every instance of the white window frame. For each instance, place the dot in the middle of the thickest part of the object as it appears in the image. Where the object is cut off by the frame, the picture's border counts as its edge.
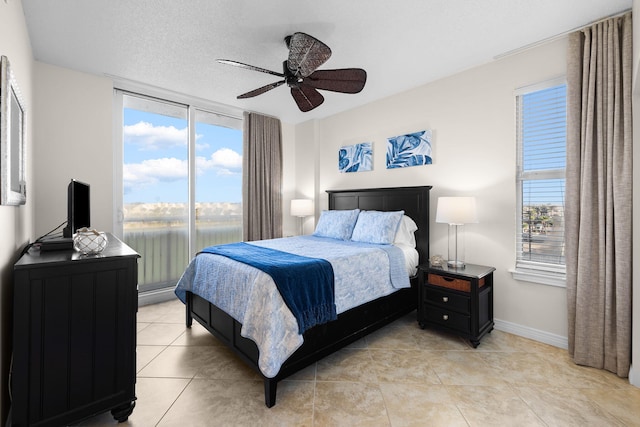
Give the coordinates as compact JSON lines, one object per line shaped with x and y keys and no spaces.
{"x":192,"y":104}
{"x":530,"y":271}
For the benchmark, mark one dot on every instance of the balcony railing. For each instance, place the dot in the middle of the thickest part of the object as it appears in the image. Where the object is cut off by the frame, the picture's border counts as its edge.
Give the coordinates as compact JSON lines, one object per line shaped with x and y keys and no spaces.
{"x":163,"y":245}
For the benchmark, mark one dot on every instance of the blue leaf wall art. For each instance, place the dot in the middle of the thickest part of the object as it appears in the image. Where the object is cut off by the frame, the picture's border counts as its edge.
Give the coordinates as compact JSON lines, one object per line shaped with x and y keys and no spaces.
{"x":413,"y":149}
{"x":355,"y":158}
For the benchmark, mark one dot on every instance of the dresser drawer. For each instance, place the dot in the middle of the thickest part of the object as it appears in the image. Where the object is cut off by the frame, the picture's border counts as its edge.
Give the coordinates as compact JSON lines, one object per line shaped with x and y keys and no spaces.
{"x":448,"y":318}
{"x":448,"y":300}
{"x":449,"y":282}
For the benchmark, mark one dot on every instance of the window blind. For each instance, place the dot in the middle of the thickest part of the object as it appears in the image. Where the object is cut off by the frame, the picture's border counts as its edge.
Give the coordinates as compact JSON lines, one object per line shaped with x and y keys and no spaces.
{"x":541,"y":119}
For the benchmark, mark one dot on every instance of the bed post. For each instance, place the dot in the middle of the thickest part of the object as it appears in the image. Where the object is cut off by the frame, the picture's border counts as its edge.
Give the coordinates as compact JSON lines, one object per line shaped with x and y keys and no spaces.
{"x":188,"y":306}
{"x":270,"y":385}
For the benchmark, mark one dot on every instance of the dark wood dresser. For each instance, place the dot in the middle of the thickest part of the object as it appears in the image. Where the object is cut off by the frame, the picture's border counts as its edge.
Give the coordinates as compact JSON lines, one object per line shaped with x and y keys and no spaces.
{"x":458,"y":300}
{"x":74,"y":335}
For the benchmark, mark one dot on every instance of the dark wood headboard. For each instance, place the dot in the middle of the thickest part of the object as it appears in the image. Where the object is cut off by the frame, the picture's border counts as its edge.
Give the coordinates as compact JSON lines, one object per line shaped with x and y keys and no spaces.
{"x":414,"y":201}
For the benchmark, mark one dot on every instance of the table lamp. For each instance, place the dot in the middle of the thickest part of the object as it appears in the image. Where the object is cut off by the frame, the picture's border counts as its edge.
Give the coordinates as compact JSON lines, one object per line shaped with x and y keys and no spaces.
{"x":301,"y":208}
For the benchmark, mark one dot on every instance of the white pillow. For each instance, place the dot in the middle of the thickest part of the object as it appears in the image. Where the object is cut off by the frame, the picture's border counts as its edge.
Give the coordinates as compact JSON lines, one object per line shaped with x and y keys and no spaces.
{"x":377,"y":227}
{"x":337,"y":224}
{"x":405,"y":234}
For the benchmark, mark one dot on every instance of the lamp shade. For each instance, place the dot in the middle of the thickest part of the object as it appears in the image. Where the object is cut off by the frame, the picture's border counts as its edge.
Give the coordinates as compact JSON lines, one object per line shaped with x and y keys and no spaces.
{"x":456,"y":210}
{"x":301,"y":207}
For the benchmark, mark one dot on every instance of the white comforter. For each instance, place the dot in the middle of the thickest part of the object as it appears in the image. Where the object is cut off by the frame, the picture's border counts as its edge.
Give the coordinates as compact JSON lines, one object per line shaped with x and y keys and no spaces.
{"x":362,"y":273}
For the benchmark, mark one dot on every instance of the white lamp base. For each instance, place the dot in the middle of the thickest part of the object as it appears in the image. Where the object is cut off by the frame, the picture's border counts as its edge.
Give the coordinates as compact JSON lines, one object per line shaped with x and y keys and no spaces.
{"x":456,"y":246}
{"x":455,"y":264}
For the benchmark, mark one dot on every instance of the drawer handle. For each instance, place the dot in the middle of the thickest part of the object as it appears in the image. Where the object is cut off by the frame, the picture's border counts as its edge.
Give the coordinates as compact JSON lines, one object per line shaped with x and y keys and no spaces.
{"x":445,"y":299}
{"x":449,"y":279}
{"x":445,"y":317}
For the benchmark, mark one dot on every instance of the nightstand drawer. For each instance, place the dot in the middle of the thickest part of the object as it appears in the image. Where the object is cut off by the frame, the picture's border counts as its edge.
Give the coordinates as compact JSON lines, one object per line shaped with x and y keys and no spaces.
{"x":448,"y":300}
{"x":449,"y":282}
{"x":448,"y":318}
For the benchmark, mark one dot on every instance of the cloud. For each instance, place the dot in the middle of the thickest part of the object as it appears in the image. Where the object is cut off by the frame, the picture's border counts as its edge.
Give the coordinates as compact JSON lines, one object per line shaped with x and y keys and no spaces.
{"x":153,"y":171}
{"x":225,"y":162}
{"x":226,"y":157}
{"x":150,"y":137}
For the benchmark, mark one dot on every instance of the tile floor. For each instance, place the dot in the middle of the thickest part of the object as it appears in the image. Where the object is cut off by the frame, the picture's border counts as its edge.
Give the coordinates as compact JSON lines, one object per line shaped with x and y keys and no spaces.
{"x":398,"y":376}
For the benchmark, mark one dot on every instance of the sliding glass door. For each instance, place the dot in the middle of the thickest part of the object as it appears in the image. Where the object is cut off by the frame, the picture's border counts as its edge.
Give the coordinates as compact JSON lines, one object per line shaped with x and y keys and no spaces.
{"x":180,"y":184}
{"x":218,"y":180}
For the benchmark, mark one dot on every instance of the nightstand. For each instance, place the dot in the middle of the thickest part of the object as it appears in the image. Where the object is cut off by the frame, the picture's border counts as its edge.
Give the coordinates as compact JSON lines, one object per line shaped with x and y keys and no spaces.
{"x":457,"y":300}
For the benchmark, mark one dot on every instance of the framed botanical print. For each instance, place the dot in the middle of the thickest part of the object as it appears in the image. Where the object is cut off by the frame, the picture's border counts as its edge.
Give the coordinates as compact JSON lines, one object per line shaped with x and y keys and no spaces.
{"x":412,"y":149}
{"x":355,"y":158}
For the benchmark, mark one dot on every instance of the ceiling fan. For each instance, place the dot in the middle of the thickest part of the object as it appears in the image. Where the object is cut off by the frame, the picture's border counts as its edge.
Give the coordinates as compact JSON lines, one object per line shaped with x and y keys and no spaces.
{"x":306,"y":54}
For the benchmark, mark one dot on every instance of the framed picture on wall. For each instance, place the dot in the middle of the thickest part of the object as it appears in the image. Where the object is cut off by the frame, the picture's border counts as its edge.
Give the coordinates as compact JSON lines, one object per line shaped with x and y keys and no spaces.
{"x":412,"y":149}
{"x":355,"y":158}
{"x":13,"y":187}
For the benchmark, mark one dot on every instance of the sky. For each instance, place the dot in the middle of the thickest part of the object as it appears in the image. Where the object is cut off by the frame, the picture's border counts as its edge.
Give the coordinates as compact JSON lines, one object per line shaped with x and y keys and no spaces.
{"x":155,"y":160}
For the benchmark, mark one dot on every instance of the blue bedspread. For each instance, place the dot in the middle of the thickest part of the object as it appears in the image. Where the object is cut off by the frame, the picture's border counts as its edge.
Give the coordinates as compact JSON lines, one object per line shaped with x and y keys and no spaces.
{"x":306,"y":284}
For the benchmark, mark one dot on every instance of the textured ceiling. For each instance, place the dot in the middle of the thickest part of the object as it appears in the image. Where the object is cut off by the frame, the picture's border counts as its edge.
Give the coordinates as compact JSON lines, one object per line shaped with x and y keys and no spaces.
{"x":401,"y":44}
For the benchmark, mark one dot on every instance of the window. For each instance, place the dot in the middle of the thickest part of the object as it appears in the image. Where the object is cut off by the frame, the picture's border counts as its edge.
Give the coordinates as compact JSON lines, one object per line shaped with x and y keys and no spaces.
{"x":180,"y":184}
{"x":541,"y":138}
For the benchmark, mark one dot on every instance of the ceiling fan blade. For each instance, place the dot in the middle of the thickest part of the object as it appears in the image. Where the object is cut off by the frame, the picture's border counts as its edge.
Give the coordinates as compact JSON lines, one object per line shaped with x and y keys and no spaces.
{"x":261,"y":90}
{"x":345,"y":80}
{"x":248,"y":67}
{"x":306,"y":97}
{"x":306,"y":54}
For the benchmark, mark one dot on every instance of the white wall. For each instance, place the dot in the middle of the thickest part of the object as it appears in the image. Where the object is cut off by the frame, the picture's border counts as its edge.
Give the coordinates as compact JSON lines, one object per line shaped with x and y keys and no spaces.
{"x":289,"y":224}
{"x":472,"y":116}
{"x":73,"y":139}
{"x":16,"y":223}
{"x":306,"y":169}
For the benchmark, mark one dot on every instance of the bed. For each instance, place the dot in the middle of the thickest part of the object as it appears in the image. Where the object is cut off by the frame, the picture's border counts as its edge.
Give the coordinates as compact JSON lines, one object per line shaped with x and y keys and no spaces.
{"x":350,"y":325}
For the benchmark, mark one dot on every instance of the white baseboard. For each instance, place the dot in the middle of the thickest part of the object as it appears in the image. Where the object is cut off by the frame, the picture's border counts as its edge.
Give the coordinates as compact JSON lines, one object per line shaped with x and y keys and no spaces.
{"x":531,"y":333}
{"x":155,"y":297}
{"x":634,"y":377}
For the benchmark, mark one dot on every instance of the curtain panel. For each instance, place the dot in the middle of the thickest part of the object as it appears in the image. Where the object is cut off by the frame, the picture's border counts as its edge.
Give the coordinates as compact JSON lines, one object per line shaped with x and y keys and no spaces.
{"x":262,"y":177}
{"x":598,"y":211}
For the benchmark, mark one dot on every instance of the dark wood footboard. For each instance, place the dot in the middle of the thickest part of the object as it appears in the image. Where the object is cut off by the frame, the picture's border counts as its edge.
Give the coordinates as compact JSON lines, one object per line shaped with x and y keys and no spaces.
{"x":319,"y":341}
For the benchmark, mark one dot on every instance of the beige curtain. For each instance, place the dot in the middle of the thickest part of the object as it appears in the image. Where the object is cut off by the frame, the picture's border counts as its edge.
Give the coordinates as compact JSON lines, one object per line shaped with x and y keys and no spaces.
{"x":598,"y":195}
{"x":262,"y":177}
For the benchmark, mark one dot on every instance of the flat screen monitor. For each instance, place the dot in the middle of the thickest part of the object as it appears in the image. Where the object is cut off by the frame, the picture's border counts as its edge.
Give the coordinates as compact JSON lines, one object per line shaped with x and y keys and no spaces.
{"x":78,"y":207}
